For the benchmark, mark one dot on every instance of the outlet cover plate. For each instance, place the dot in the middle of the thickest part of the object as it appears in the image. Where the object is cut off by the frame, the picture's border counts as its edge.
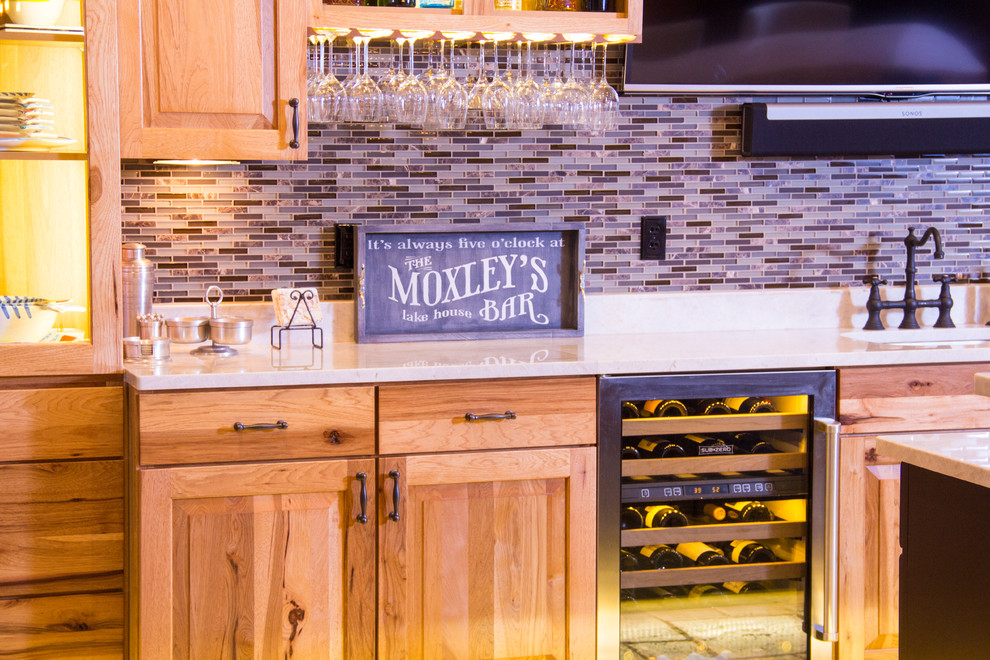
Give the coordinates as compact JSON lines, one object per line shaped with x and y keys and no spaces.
{"x":653,"y":238}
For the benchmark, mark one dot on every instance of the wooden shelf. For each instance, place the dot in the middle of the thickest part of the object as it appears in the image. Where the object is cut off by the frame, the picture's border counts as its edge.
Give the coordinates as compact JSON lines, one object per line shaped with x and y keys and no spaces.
{"x":650,"y":467}
{"x":782,"y":570}
{"x":15,"y":36}
{"x":479,"y":16}
{"x":705,"y":533}
{"x":715,"y":424}
{"x":13,"y":154}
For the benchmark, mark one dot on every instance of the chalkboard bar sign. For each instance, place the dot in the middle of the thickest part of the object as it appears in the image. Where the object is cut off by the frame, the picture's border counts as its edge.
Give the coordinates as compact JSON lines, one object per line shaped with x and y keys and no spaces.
{"x":440,"y":282}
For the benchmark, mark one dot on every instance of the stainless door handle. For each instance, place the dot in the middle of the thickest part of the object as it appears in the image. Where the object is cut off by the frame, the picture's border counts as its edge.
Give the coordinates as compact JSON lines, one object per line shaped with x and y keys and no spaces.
{"x":827,"y":628}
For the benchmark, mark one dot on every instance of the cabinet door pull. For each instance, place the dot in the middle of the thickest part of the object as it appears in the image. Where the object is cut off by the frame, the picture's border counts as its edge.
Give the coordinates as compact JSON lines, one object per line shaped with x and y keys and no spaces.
{"x":394,"y":515}
{"x":363,"y":516}
{"x":280,"y":424}
{"x":294,"y":104}
{"x":471,"y":417}
{"x":333,"y":436}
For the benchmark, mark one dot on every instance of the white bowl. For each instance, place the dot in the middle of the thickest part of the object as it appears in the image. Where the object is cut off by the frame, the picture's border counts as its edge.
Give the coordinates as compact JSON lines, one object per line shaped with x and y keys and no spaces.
{"x":34,"y":12}
{"x":24,"y":329}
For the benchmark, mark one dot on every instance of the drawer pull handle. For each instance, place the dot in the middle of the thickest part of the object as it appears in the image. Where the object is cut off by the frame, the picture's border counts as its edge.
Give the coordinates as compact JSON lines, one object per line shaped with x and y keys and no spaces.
{"x":363,"y":516}
{"x":333,"y":436}
{"x":280,"y":424}
{"x":508,"y":414}
{"x":294,"y":142}
{"x":394,"y":515}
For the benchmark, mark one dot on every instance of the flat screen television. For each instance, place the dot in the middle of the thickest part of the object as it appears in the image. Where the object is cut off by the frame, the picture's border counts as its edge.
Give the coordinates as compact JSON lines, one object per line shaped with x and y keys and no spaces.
{"x":883,"y":47}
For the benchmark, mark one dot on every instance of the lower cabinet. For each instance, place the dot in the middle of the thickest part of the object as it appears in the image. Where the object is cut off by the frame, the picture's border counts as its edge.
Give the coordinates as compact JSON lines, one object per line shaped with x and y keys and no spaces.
{"x":256,"y":561}
{"x":428,"y":554}
{"x":887,"y":401}
{"x":488,"y":555}
{"x":61,"y":520}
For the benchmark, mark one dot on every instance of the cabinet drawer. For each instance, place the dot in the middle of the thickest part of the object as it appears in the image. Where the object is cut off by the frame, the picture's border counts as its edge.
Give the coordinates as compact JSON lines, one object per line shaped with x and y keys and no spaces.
{"x":199,"y":427}
{"x":77,"y":626}
{"x":61,"y":423}
{"x":432,"y":417}
{"x":912,"y":398}
{"x":61,"y":527}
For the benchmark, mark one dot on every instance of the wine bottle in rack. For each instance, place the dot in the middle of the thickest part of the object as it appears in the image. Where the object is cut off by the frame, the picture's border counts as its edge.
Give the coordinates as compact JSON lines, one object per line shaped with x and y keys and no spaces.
{"x":659,"y":557}
{"x":630,"y":452}
{"x":787,"y":549}
{"x":713,"y":513}
{"x":712,"y":407}
{"x":659,"y":447}
{"x":747,"y":512}
{"x":702,"y":554}
{"x":705,"y":591}
{"x":664,"y":408}
{"x":628,"y":561}
{"x":790,"y":510}
{"x":704,"y":445}
{"x":751,"y":405}
{"x":748,"y":442}
{"x":664,"y":515}
{"x":630,"y":518}
{"x":630,"y":410}
{"x":748,"y":552}
{"x":660,"y":593}
{"x":743,"y":587}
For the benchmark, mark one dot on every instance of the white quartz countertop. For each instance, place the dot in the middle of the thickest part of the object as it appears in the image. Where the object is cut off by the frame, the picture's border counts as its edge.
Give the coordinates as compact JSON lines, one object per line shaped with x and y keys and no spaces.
{"x":962,"y":454}
{"x":652,"y":333}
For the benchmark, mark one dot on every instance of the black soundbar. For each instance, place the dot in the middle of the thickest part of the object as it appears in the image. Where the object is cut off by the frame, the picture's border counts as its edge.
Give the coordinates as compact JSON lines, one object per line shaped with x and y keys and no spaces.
{"x":868,"y":128}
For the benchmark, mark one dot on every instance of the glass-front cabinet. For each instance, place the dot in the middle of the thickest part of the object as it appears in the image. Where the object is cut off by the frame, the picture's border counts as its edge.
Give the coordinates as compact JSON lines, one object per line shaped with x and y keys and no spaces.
{"x":59,"y":193}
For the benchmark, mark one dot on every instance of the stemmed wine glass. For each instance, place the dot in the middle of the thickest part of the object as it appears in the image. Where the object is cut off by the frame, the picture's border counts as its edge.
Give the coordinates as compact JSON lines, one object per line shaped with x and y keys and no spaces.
{"x":526,"y":105}
{"x":330,"y":90}
{"x":390,"y":83}
{"x":411,"y":96}
{"x":476,"y":91}
{"x":571,"y":100}
{"x":603,"y":104}
{"x":495,"y":98}
{"x":451,"y":98}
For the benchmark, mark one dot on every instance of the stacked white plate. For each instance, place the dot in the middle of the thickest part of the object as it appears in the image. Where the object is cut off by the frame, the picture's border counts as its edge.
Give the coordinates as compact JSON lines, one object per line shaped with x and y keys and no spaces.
{"x":27,"y":122}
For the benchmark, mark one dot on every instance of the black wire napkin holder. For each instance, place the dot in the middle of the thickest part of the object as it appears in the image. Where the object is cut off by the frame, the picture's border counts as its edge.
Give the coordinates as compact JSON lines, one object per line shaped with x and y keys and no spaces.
{"x":316,"y":332}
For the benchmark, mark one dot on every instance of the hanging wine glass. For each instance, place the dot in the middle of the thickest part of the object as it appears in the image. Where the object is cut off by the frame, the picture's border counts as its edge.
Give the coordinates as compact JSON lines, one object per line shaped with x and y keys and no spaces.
{"x":411,"y":97}
{"x":313,"y":80}
{"x":390,"y":83}
{"x":331,"y":91}
{"x":603,"y":106}
{"x":571,"y":100}
{"x":495,"y":98}
{"x":365,"y":100}
{"x":553,"y":82}
{"x":476,"y":90}
{"x":452,"y":97}
{"x":526,"y":101}
{"x":433,"y":80}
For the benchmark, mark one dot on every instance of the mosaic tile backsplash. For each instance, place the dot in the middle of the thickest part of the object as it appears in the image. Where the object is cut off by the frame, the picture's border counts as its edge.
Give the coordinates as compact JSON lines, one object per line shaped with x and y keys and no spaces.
{"x":734,"y":222}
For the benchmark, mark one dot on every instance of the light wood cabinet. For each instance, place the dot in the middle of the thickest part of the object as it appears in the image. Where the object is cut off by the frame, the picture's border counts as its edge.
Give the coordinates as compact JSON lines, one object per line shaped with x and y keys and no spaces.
{"x":460,"y":554}
{"x":887,"y":401}
{"x":212,"y":80}
{"x":480,"y":16}
{"x":491,"y":555}
{"x":61,"y":520}
{"x":60,"y":208}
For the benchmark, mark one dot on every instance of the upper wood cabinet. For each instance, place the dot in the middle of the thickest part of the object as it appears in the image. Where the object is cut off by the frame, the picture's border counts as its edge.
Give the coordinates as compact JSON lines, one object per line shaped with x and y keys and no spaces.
{"x":480,"y":16}
{"x":60,"y":208}
{"x":212,"y":80}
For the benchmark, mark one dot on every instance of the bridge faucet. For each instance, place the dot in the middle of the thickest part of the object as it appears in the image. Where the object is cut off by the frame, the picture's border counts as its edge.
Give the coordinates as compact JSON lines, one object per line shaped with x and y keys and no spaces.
{"x":910,"y":304}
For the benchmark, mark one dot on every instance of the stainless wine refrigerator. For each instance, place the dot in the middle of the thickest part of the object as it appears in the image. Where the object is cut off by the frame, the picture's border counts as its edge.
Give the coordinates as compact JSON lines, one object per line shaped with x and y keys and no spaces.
{"x":717,"y":520}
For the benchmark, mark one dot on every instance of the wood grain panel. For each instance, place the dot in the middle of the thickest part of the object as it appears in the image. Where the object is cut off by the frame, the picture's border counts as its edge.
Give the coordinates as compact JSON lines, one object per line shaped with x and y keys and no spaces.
{"x":911,"y":380}
{"x":61,"y":526}
{"x":496,"y":568}
{"x":197,"y":427}
{"x":71,"y":627}
{"x":430,"y":417}
{"x":854,"y":559}
{"x":61,"y":423}
{"x":246,"y":569}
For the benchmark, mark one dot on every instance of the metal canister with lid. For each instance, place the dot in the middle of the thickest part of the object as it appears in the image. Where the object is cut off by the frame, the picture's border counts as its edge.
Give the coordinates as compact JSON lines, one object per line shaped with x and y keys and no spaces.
{"x":138,"y":283}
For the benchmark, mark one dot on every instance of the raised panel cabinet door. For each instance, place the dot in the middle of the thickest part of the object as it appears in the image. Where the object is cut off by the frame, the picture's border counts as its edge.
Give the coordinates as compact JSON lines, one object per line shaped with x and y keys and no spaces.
{"x":487,"y":555}
{"x":256,"y":561}
{"x":212,"y":79}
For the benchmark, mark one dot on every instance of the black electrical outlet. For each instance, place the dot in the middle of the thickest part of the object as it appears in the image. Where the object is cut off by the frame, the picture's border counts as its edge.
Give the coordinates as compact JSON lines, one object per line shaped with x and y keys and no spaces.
{"x":653,"y":238}
{"x":343,"y":256}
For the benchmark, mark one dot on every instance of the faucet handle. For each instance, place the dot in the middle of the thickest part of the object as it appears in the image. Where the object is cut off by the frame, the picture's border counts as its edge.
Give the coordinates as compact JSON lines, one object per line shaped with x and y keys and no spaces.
{"x":950,"y":277}
{"x":872,"y":280}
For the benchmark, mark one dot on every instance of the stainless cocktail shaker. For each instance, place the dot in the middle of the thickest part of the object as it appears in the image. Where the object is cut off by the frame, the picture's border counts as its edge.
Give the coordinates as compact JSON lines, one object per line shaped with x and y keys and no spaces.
{"x":138,"y":282}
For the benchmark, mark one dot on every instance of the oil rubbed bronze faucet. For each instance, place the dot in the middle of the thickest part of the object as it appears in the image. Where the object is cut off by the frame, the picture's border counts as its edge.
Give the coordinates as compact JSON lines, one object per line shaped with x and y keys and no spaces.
{"x":910,"y":303}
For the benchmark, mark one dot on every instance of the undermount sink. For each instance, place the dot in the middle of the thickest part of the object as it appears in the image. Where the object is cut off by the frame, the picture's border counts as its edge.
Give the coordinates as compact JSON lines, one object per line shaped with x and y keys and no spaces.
{"x":924,"y":337}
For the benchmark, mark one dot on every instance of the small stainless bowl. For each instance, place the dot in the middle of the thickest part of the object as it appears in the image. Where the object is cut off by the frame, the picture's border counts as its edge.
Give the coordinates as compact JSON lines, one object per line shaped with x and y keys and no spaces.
{"x":188,"y":329}
{"x":146,"y":350}
{"x":230,"y":330}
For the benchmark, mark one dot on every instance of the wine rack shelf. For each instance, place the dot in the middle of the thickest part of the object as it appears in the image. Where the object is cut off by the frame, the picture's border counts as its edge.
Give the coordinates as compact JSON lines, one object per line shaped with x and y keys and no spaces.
{"x":783,"y":570}
{"x":649,"y":467}
{"x":715,"y":424}
{"x":706,"y":533}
